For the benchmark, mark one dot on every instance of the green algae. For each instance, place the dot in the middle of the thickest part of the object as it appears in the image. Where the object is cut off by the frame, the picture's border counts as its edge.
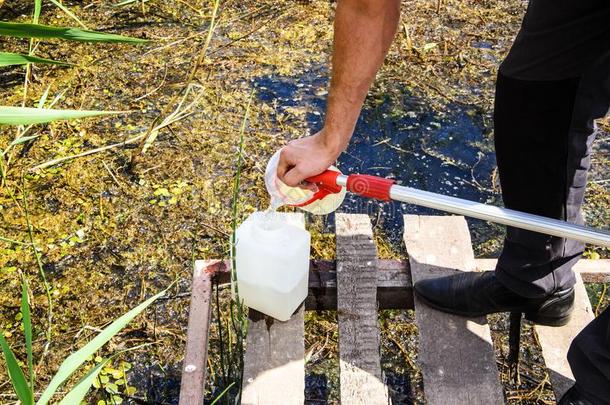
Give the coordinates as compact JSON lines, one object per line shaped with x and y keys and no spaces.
{"x":115,"y":226}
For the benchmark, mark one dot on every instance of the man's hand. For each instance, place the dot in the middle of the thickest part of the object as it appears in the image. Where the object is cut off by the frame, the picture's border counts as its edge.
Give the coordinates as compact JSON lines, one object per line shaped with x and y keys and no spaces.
{"x":306,"y":157}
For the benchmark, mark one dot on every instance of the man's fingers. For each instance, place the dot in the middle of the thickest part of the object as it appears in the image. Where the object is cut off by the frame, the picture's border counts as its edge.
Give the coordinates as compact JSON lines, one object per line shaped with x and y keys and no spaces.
{"x":309,"y":186}
{"x":284,"y":164}
{"x":293,"y":177}
{"x":290,"y":173}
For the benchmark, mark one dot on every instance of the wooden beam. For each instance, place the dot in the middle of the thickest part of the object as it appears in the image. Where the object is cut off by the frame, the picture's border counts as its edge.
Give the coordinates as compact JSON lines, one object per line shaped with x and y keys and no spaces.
{"x":456,"y":353}
{"x":274,"y":365}
{"x":555,"y":342}
{"x":394,"y":286}
{"x":360,"y":367}
{"x":394,"y":289}
{"x":194,"y":367}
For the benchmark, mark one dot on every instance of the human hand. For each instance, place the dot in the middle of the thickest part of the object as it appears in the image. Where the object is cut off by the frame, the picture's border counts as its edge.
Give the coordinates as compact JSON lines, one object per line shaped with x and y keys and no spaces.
{"x":307,"y":157}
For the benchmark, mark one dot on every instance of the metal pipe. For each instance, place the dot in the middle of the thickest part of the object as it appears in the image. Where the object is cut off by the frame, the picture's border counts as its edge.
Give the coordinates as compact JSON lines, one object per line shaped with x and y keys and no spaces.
{"x":498,"y":215}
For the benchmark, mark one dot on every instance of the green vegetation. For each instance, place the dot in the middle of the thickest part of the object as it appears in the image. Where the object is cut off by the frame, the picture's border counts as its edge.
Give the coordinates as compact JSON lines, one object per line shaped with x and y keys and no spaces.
{"x":24,"y":389}
{"x":119,"y":205}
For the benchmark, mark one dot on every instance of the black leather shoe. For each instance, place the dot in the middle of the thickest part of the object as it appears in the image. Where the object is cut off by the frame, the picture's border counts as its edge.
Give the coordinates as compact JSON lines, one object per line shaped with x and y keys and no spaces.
{"x":480,"y":293}
{"x":574,"y":397}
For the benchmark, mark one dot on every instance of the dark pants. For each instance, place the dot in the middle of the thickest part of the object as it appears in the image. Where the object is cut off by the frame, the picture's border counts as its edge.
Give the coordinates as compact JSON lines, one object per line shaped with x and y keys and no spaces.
{"x":544,"y":116}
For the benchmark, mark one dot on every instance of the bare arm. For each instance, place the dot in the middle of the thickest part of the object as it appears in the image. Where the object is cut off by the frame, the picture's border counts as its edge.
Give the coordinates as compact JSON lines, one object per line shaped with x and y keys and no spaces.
{"x":364,"y":30}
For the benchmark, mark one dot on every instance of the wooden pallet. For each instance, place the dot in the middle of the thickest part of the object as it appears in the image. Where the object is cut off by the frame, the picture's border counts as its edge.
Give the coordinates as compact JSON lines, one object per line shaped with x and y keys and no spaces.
{"x":455,"y":354}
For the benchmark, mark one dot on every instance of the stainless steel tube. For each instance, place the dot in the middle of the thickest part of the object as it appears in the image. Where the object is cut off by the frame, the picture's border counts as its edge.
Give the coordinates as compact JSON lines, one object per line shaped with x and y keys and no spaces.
{"x":498,"y":215}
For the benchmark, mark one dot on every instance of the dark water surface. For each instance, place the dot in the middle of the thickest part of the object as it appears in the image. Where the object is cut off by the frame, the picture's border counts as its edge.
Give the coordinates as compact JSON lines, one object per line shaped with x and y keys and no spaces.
{"x":400,"y":137}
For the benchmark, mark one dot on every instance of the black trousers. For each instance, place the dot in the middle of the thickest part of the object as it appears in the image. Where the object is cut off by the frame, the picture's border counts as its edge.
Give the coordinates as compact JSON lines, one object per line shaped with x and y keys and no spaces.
{"x":544,"y":130}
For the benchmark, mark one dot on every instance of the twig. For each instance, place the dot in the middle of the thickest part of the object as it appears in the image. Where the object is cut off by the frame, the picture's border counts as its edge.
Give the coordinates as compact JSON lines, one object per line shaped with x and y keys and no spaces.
{"x":178,"y":114}
{"x":155,"y":89}
{"x":206,"y":44}
{"x":86,"y":153}
{"x":404,"y":352}
{"x":16,"y":242}
{"x":111,"y":174}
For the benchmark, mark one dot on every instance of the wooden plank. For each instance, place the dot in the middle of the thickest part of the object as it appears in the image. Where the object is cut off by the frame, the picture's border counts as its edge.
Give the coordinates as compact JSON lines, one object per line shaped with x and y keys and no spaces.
{"x":274,"y":365}
{"x":394,"y":289}
{"x":192,"y":385}
{"x":592,"y":271}
{"x":456,"y":354}
{"x":555,"y":341}
{"x":360,"y":368}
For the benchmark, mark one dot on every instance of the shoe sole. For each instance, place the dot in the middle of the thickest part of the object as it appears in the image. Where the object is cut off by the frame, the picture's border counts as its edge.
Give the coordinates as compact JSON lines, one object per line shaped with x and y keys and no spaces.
{"x":530,"y":316}
{"x":548,"y":321}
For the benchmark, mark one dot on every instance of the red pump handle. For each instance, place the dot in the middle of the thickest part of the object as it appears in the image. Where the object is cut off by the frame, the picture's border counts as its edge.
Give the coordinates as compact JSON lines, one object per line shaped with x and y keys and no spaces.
{"x":326,"y":180}
{"x":361,"y":184}
{"x":327,"y":184}
{"x":370,"y":186}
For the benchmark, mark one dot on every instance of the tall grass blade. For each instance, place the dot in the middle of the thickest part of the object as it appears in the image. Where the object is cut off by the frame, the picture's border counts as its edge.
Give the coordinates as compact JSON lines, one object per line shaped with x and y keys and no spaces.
{"x":8,"y":59}
{"x":76,"y":359}
{"x":24,"y":393}
{"x":20,"y":140}
{"x":27,"y":115}
{"x":68,"y":13}
{"x":25,"y":30}
{"x":222,"y":394}
{"x":26,"y":321}
{"x":239,"y":320}
{"x":37,"y":9}
{"x":78,"y":392}
{"x":36,"y":253}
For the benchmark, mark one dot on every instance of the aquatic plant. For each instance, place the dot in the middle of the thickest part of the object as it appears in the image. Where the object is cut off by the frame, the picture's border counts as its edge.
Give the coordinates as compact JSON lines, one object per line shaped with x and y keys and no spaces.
{"x":10,"y":115}
{"x":24,"y":386}
{"x":232,"y":361}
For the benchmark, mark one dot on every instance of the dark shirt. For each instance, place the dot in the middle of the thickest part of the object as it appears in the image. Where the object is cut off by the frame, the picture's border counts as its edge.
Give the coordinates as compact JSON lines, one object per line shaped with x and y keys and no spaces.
{"x":559,"y":39}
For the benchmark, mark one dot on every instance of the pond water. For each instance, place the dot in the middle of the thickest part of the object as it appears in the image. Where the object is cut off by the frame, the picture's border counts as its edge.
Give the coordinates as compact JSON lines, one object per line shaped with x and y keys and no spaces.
{"x":398,"y":136}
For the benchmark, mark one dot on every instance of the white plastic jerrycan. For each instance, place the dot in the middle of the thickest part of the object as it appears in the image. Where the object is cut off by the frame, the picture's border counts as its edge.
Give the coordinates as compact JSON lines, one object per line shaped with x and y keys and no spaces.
{"x":272,"y":262}
{"x":320,"y":203}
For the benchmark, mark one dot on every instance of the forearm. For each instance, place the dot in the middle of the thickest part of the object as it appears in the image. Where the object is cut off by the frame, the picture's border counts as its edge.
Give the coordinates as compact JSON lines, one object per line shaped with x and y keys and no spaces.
{"x":364,"y":30}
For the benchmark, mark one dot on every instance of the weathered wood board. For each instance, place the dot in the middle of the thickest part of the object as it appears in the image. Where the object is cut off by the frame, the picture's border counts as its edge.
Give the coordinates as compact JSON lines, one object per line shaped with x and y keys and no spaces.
{"x":394,"y":287}
{"x":274,"y":366}
{"x":555,"y":341}
{"x":456,"y":353}
{"x":360,"y":368}
{"x":192,"y":385}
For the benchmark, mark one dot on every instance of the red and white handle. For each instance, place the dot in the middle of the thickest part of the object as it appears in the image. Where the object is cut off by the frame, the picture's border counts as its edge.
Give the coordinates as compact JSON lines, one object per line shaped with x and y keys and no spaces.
{"x":384,"y":189}
{"x":363,"y":185}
